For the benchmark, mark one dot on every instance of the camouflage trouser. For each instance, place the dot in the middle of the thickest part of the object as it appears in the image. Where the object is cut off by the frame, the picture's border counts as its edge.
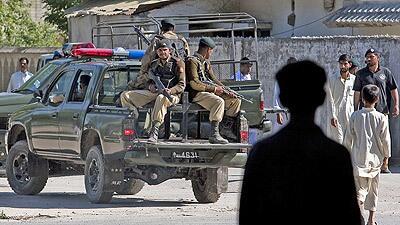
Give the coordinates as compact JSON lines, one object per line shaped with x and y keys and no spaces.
{"x":139,"y":98}
{"x":216,"y":105}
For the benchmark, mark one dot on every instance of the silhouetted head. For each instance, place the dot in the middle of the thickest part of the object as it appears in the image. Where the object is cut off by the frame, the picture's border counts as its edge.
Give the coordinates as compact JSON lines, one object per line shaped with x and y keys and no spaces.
{"x":301,"y":86}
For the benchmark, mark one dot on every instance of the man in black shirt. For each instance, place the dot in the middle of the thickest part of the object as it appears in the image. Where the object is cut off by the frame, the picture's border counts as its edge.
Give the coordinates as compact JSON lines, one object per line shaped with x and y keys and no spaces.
{"x":380,"y":76}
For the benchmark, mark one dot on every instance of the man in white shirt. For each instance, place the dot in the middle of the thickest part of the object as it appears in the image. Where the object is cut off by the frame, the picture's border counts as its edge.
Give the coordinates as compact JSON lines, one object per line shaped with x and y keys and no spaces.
{"x":244,"y":71}
{"x":340,"y":99}
{"x":20,"y":77}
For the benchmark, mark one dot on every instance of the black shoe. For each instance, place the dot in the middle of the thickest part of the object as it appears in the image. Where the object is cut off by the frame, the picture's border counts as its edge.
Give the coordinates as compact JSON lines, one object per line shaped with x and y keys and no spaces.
{"x":385,"y":171}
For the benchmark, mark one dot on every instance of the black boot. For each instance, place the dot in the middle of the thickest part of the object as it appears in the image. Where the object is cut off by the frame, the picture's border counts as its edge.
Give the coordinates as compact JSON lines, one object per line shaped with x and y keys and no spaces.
{"x":215,"y":137}
{"x":227,"y":128}
{"x":154,"y":132}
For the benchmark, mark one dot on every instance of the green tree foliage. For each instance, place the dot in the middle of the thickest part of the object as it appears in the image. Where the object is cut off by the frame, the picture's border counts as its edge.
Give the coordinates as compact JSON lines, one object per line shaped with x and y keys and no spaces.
{"x":55,"y":12}
{"x":18,"y":29}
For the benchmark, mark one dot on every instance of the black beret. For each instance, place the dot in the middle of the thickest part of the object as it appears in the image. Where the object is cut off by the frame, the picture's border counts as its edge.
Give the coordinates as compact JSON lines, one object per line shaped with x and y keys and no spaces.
{"x":167,"y":22}
{"x":163,"y":43}
{"x":371,"y":50}
{"x":207,"y":42}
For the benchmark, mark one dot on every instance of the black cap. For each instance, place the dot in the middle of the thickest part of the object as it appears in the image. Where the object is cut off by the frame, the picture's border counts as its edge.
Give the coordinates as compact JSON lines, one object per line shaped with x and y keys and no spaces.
{"x":163,"y":43}
{"x":371,"y":50}
{"x":167,"y":22}
{"x":244,"y":63}
{"x":206,"y":41}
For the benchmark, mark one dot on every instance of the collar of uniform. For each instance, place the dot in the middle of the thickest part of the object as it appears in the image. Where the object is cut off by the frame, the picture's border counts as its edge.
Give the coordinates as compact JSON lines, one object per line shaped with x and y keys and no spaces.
{"x":169,"y":34}
{"x":199,"y":56}
{"x":159,"y":62}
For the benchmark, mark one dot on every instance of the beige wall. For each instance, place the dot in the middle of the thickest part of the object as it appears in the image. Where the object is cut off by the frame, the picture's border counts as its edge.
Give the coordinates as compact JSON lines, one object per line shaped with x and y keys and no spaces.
{"x":9,"y":58}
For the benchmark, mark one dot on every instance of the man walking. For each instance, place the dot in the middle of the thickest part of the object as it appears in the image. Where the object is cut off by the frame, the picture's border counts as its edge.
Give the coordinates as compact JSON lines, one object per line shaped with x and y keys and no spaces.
{"x":20,"y":77}
{"x":206,"y":90}
{"x":382,"y":77}
{"x":171,"y":72}
{"x":340,"y":99}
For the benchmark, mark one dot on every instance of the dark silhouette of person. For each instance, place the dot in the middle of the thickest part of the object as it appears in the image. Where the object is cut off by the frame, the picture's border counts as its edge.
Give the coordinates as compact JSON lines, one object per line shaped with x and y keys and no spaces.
{"x":298,"y":175}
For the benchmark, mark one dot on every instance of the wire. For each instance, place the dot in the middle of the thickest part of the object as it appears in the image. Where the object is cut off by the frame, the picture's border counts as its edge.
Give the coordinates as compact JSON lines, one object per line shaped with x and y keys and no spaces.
{"x":304,"y":25}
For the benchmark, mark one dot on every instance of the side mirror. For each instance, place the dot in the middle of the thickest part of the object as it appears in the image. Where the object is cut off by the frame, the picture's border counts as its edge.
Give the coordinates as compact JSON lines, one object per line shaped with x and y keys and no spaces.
{"x":38,"y":95}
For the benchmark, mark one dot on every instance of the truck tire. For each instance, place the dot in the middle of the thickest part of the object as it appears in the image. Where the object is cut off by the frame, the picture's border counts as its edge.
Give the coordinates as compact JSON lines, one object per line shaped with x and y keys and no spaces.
{"x":130,"y":186}
{"x":19,"y":179}
{"x":204,"y":186}
{"x":96,"y":177}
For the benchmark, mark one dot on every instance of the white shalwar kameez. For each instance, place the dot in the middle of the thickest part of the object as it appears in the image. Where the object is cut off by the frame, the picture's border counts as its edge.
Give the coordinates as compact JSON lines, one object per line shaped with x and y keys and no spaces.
{"x":368,"y":139}
{"x":340,"y":97}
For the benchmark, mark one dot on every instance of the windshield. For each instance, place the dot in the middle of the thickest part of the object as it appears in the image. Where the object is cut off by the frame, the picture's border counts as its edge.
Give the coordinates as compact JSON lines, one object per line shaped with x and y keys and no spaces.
{"x":36,"y":80}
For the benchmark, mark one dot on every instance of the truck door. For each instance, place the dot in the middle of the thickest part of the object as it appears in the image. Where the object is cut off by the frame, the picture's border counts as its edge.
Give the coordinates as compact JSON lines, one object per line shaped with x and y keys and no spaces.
{"x":44,"y":124}
{"x":74,"y":110}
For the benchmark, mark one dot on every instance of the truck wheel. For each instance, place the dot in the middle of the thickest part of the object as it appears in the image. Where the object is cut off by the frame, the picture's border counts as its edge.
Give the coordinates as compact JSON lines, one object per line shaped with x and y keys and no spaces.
{"x":96,"y":177}
{"x":205,"y":187}
{"x":18,"y":176}
{"x":130,"y":186}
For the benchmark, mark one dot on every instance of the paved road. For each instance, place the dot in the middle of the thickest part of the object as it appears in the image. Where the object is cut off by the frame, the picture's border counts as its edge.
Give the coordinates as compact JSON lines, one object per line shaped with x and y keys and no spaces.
{"x":63,"y":202}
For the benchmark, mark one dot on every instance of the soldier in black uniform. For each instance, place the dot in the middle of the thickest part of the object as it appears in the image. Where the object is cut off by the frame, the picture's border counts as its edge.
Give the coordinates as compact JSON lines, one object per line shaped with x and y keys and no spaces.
{"x":171,"y":71}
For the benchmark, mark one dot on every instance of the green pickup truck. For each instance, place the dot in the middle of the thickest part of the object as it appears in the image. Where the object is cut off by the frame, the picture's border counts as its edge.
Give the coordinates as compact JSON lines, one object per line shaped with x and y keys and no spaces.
{"x":10,"y":102}
{"x":96,"y":137}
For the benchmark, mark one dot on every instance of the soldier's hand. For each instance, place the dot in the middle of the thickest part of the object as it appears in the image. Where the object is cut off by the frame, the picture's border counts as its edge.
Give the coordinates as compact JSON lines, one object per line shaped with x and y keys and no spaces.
{"x":232,"y":95}
{"x":395,"y":111}
{"x":168,"y":91}
{"x":279,"y":118}
{"x":334,"y":122}
{"x":152,"y":88}
{"x":219,"y":90}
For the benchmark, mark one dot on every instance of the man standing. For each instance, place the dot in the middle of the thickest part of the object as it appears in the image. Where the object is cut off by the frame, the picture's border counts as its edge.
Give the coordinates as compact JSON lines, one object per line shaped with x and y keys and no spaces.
{"x":178,"y":44}
{"x":382,"y":77}
{"x":283,"y":181}
{"x":171,"y":71}
{"x":20,"y":77}
{"x":244,"y":71}
{"x":340,"y":99}
{"x":206,"y":90}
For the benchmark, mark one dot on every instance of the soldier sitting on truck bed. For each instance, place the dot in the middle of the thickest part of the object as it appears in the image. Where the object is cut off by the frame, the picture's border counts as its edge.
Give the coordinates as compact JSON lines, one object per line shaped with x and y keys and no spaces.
{"x":206,"y":90}
{"x":170,"y":71}
{"x":178,"y":43}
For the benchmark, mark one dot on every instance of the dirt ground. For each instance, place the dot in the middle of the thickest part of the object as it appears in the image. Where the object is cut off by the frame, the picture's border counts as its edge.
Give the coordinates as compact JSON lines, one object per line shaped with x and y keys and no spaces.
{"x":63,"y":201}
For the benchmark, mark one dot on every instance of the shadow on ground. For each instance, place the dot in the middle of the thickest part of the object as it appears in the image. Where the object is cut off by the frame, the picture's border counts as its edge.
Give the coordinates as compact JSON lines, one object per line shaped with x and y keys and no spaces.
{"x":79,"y":201}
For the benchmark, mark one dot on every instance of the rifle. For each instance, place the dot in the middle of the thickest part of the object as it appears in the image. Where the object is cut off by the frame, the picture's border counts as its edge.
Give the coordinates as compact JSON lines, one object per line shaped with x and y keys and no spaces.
{"x":160,"y":86}
{"x":229,"y":91}
{"x":141,"y":34}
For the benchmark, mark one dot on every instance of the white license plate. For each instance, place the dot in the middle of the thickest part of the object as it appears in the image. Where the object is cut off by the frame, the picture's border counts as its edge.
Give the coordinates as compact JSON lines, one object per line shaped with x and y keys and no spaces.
{"x":185,"y":155}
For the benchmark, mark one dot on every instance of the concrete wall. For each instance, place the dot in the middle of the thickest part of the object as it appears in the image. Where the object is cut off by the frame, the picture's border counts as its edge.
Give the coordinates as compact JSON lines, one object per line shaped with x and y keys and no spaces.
{"x":9,"y":61}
